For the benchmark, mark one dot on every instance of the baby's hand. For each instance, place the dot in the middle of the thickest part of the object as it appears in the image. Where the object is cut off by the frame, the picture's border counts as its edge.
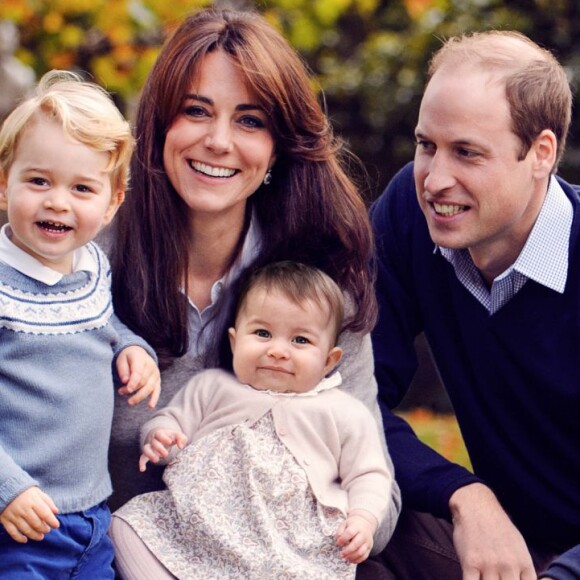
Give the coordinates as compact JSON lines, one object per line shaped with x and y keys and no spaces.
{"x":158,"y":444}
{"x":138,"y":372}
{"x":355,"y":536}
{"x":29,"y":515}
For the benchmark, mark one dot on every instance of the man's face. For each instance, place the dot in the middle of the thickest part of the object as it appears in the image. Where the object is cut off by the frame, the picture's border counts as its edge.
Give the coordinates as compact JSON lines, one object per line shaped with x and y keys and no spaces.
{"x":472,"y":188}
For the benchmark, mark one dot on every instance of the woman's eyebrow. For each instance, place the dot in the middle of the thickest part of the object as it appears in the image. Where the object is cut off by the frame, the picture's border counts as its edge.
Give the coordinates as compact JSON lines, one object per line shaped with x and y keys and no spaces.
{"x":208,"y":101}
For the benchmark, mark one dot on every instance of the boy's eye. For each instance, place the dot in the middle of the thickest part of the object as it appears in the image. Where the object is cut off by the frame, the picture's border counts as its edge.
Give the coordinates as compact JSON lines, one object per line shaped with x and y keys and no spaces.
{"x":262,"y":333}
{"x":301,"y":340}
{"x":83,"y":188}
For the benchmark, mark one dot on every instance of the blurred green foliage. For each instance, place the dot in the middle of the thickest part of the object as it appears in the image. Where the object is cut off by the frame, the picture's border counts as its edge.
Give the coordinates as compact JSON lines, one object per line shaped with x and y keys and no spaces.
{"x":369,"y":56}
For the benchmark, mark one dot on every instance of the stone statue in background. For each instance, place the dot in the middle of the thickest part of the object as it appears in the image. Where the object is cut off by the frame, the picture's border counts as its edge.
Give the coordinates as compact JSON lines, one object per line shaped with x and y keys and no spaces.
{"x":16,"y":79}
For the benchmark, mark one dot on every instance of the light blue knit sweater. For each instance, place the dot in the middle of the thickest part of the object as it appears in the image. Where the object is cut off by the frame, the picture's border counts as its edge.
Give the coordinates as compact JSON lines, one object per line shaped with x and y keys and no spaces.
{"x":58,"y":346}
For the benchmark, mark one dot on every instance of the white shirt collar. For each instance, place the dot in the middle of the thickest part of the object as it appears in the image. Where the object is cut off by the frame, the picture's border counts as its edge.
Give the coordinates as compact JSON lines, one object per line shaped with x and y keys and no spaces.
{"x":18,"y":259}
{"x":544,"y":257}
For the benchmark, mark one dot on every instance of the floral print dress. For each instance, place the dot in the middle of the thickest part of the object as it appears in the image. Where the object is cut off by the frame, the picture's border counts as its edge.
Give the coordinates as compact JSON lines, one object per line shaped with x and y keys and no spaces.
{"x":239,"y":506}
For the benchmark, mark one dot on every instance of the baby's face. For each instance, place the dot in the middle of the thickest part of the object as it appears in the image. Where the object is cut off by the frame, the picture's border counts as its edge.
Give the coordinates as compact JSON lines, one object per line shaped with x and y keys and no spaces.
{"x":280,"y":345}
{"x":57,"y":193}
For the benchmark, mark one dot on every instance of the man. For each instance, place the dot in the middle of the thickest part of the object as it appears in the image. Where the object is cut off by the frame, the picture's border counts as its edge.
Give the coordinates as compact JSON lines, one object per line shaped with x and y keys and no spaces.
{"x":478,"y":246}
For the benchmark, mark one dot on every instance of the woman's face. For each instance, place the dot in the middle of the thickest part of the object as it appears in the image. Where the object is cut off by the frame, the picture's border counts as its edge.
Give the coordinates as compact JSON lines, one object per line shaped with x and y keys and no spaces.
{"x":220,"y":146}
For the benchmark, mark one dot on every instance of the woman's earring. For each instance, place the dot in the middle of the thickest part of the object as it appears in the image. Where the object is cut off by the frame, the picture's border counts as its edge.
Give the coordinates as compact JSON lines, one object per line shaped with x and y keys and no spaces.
{"x":268,"y":177}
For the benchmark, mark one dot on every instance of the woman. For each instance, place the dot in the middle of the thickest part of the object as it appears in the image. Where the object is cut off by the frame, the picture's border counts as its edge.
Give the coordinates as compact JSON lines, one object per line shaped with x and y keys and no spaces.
{"x":236,"y":166}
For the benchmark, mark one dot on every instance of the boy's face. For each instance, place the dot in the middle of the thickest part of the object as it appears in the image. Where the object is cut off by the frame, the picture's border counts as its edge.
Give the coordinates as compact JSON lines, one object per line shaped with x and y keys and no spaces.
{"x":282,"y":346}
{"x":57,"y":194}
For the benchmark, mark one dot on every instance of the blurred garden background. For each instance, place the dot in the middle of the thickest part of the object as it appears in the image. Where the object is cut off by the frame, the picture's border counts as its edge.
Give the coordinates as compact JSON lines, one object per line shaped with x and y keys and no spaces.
{"x":368,"y":58}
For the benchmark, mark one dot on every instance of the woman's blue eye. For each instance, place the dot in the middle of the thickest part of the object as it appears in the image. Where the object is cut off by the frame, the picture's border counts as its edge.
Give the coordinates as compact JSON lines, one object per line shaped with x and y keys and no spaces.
{"x":194,"y":111}
{"x":252,"y":122}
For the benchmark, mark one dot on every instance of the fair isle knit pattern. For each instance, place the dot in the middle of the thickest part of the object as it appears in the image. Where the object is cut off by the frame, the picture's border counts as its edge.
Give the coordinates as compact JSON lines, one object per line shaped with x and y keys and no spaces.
{"x":57,"y":361}
{"x":34,"y":309}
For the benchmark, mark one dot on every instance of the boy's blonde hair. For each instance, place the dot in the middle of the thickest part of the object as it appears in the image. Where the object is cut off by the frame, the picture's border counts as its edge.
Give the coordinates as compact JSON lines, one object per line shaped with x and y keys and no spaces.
{"x":87,"y":114}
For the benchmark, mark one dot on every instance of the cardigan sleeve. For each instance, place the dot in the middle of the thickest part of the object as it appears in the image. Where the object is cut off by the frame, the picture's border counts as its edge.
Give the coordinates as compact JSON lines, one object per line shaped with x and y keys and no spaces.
{"x":366,"y":477}
{"x":183,"y":413}
{"x":358,"y":380}
{"x":427,"y":480}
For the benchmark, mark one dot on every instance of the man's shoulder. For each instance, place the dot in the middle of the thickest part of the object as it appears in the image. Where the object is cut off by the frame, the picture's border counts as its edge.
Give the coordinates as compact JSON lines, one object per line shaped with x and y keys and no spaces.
{"x":398,"y":202}
{"x":402,"y":184}
{"x":571,"y":190}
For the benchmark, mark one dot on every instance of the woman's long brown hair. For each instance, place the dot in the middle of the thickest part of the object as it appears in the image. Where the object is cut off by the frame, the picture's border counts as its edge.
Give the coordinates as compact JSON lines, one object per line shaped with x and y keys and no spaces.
{"x":311,"y":212}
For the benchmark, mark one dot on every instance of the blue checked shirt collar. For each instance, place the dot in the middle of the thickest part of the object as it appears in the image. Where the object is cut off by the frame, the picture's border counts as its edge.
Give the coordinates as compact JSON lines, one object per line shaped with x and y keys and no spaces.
{"x":544,"y":257}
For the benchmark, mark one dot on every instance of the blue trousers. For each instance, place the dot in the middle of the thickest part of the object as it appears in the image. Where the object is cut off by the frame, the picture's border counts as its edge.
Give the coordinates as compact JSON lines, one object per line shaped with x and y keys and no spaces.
{"x":80,"y":548}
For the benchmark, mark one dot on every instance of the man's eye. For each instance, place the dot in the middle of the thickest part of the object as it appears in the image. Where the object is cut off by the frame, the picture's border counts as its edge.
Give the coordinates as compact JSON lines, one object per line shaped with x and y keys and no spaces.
{"x":467,"y":153}
{"x":424,"y":145}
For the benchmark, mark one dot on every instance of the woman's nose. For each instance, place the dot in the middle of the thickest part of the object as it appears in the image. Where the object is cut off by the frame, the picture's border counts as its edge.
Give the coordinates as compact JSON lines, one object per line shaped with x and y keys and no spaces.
{"x":219,"y":137}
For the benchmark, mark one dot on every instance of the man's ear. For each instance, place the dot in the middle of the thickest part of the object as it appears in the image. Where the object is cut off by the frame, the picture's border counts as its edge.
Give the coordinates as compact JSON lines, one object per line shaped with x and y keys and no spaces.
{"x":117,"y":199}
{"x":545,"y":150}
{"x":332,"y":359}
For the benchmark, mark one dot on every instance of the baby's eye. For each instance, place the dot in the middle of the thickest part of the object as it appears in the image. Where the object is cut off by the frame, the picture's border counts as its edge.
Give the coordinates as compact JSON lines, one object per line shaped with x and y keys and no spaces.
{"x":40,"y":181}
{"x":301,"y":340}
{"x":262,"y":333}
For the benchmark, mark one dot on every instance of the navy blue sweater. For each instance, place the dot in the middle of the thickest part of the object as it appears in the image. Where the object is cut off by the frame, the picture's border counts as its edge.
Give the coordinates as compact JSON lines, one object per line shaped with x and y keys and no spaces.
{"x":513,"y":377}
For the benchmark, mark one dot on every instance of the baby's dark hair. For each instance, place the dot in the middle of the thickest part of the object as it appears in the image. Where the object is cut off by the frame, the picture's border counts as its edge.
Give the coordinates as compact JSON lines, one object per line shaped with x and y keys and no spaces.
{"x":299,"y":283}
